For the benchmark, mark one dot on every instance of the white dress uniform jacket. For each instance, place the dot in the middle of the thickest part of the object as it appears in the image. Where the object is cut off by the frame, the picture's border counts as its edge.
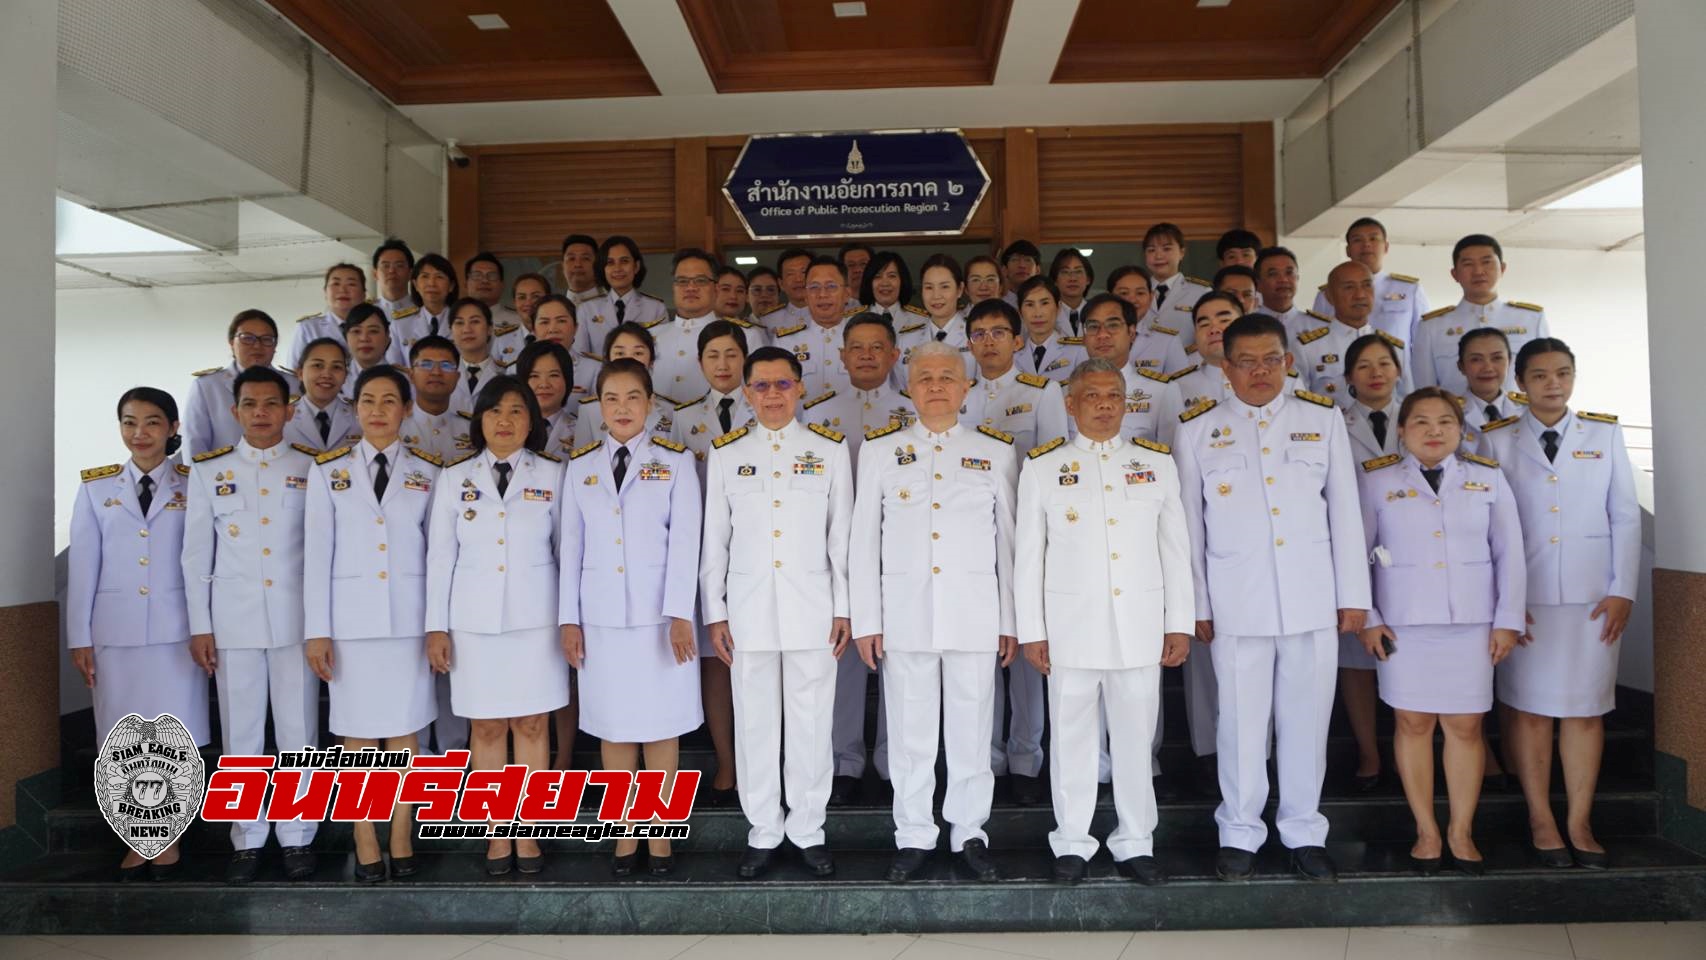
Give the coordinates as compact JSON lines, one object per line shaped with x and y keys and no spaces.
{"x":1320,"y":357}
{"x":1399,"y":303}
{"x":1175,"y":300}
{"x":1360,"y":429}
{"x":309,"y":329}
{"x":857,"y":412}
{"x":595,"y":318}
{"x":560,"y":431}
{"x":208,"y":422}
{"x":1029,"y":407}
{"x":471,"y":377}
{"x":121,"y":587}
{"x":676,"y":371}
{"x":1435,"y":347}
{"x":696,"y":424}
{"x":1158,"y":348}
{"x":818,"y":349}
{"x":786,"y":315}
{"x":304,"y":426}
{"x":491,"y":559}
{"x":444,"y":435}
{"x":1186,"y":389}
{"x":1059,"y":355}
{"x":1508,"y":403}
{"x":953,"y":334}
{"x":406,"y":328}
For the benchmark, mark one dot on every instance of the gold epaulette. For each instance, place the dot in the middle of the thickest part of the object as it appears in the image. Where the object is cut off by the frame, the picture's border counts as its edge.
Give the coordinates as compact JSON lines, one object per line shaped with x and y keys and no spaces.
{"x":1310,"y":336}
{"x":903,"y":393}
{"x":411,"y":311}
{"x":97,"y":473}
{"x":431,"y":458}
{"x":587,"y":400}
{"x":210,"y":454}
{"x":582,"y":450}
{"x":772,"y":310}
{"x":506,"y":329}
{"x":1477,"y":458}
{"x":1190,"y":349}
{"x":305,"y":448}
{"x":1041,"y":449}
{"x":1389,"y":338}
{"x":741,"y":322}
{"x":464,"y":414}
{"x":1032,"y":380}
{"x":553,"y":457}
{"x":729,"y":437}
{"x":1292,"y":373}
{"x":669,"y":444}
{"x":1404,"y":278}
{"x":852,"y":312}
{"x":817,"y":400}
{"x":1322,"y":287}
{"x":1155,"y":445}
{"x":1313,"y":397}
{"x":310,"y":316}
{"x":1199,"y":282}
{"x":1526,"y":306}
{"x":468,"y":456}
{"x":911,"y":329}
{"x":885,"y":431}
{"x":1201,"y":408}
{"x":919,"y":311}
{"x":1072,"y":341}
{"x":183,"y":469}
{"x":1006,"y":438}
{"x":1499,"y":424}
{"x":653,"y":323}
{"x":1517,"y":396}
{"x":293,"y":398}
{"x":203,"y":373}
{"x":1158,"y":328}
{"x":1378,"y":462}
{"x":1176,"y":374}
{"x":331,"y":455}
{"x":690,"y":403}
{"x":790,"y":331}
{"x":1442,"y":311}
{"x":595,"y":358}
{"x":825,"y":432}
{"x":1597,"y":417}
{"x":1152,"y":375}
{"x":650,"y":297}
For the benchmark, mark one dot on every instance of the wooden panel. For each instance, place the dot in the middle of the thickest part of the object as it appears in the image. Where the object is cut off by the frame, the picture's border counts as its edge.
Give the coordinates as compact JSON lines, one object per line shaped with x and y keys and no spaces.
{"x":1021,"y":214}
{"x":1105,"y":187}
{"x":1261,"y":210}
{"x":692,"y":225}
{"x":465,"y":191}
{"x":530,"y":200}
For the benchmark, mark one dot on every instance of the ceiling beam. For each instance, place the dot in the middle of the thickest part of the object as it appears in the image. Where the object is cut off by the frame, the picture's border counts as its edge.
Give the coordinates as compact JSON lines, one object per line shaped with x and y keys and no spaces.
{"x":1035,"y":37}
{"x":660,"y":37}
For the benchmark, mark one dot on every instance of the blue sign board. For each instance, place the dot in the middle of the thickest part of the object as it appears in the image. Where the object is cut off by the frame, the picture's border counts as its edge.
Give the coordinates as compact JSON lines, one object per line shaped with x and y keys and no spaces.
{"x":882,"y":183}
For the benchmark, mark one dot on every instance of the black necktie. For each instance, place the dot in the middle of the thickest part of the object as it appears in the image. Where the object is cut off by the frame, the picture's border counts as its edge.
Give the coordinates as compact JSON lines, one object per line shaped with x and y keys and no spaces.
{"x":1377,"y":420}
{"x":324,"y":419}
{"x":621,"y":310}
{"x":383,"y":477}
{"x":432,"y":328}
{"x":1549,"y":442}
{"x":1492,"y":412}
{"x":1072,"y":318}
{"x":723,"y":417}
{"x":941,"y":335}
{"x":1432,"y":477}
{"x":145,"y":493}
{"x":473,"y":378}
{"x":1160,"y":295}
{"x":503,"y":470}
{"x":621,"y":466}
{"x":1037,"y":358}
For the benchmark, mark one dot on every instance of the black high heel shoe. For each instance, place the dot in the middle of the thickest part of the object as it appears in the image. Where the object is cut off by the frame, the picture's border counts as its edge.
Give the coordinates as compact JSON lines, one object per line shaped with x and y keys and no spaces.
{"x":660,"y":866}
{"x":530,"y":865}
{"x":404,"y":866}
{"x":370,"y":872}
{"x":133,"y":874}
{"x":622,"y":864}
{"x":499,"y":866}
{"x":1426,"y":866}
{"x":159,"y":872}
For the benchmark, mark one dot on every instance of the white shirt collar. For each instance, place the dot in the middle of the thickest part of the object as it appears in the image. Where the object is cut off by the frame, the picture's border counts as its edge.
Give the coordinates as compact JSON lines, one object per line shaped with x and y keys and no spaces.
{"x":1266,"y":412}
{"x":256,"y":455}
{"x":1085,"y":443}
{"x":634,"y":443}
{"x":159,"y":474}
{"x":923,"y":432}
{"x":369,"y":451}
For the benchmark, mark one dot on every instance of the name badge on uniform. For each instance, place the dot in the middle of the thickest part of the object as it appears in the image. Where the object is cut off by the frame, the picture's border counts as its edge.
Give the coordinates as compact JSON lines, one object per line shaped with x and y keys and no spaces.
{"x":417,"y":480}
{"x":1138,"y":473}
{"x":809,"y":465}
{"x":1587,"y":454}
{"x":1474,"y":485}
{"x":177,"y":501}
{"x":1516,"y":331}
{"x":1147,"y":363}
{"x":536,"y":493}
{"x":1395,"y":295}
{"x":224,"y":489}
{"x":1297,"y":437}
{"x":1062,"y":362}
{"x":654,"y":470}
{"x":1015,"y":411}
{"x":904,"y":455}
{"x":974,"y":463}
{"x":746,"y":470}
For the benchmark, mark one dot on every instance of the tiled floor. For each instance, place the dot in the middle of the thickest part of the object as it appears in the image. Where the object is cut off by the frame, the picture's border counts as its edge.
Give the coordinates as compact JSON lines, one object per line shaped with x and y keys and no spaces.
{"x":1612,"y":941}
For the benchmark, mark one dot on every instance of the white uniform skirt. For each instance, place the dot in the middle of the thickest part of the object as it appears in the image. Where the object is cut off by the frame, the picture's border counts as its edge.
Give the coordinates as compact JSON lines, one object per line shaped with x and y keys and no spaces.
{"x":1353,"y":655}
{"x":631,"y":688}
{"x":495,"y":676}
{"x":150,"y":680}
{"x":1439,"y":668}
{"x":1566,"y":671}
{"x":381,"y":687}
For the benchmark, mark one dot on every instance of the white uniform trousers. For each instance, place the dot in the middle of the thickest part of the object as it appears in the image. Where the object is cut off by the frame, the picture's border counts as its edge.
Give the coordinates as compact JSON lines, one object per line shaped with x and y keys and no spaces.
{"x":848,"y":732}
{"x":1293,"y":679}
{"x":448,"y":732}
{"x":779,"y":711}
{"x":249,"y":681}
{"x":1129,"y":698}
{"x":952,"y":692}
{"x":1021,"y":750}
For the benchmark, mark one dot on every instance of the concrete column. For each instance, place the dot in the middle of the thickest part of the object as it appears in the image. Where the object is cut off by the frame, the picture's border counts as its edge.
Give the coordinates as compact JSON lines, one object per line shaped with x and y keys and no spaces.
{"x":1673,"y":150}
{"x":29,"y":631}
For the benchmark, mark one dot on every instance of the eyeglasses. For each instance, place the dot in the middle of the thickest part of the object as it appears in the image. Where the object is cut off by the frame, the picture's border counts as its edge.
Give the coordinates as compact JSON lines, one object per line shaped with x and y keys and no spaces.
{"x":1112,"y":326}
{"x":765,"y":386}
{"x":482,"y":275}
{"x":683,"y":282}
{"x":1071,"y":271}
{"x":257,"y":340}
{"x":823,"y":288}
{"x":442,"y":366}
{"x":992,"y":334}
{"x":1266,"y":363}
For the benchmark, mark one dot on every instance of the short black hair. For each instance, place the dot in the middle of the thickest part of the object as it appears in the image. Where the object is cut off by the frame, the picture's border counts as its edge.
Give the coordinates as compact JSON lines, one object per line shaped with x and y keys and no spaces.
{"x":1254,"y":325}
{"x":1477,"y":334}
{"x":635,"y":330}
{"x":869,"y":318}
{"x":1269,"y":253}
{"x":456,"y":308}
{"x":1164,"y":230}
{"x":823,"y":261}
{"x":360,"y":314}
{"x":491,"y":395}
{"x":1020,"y":248}
{"x":1369,"y":341}
{"x":434,"y":342}
{"x":1235,"y":270}
{"x":603,"y":257}
{"x":442,"y":265}
{"x":260,"y":375}
{"x":533,"y":352}
{"x":1033,"y":282}
{"x":727,"y":271}
{"x":1059,"y":263}
{"x":878,"y":264}
{"x":761,"y":271}
{"x":1128,"y":313}
{"x":994,"y":306}
{"x":769,"y":355}
{"x":945,"y":262}
{"x":852,"y":247}
{"x":484,"y":256}
{"x":538,"y":278}
{"x":791,"y":253}
{"x":318,"y":342}
{"x":150,"y":395}
{"x":575,"y":238}
{"x":721,"y":328}
{"x":1538,"y":346}
{"x":1236,"y":239}
{"x":1361,"y":222}
{"x":1130,"y":269}
{"x":384,"y":371}
{"x":1476,"y":240}
{"x":392,"y":243}
{"x":244,"y":316}
{"x":694,"y":253}
{"x":626,"y":365}
{"x":1217,"y":296}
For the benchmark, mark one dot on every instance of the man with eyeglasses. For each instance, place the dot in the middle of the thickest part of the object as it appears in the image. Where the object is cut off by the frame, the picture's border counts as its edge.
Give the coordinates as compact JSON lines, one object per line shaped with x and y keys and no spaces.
{"x":773,"y":581}
{"x":1278,"y":562}
{"x":675,"y":371}
{"x":344,"y":286}
{"x":435,"y":426}
{"x":1110,"y":326}
{"x":816,"y":342}
{"x":208,"y":422}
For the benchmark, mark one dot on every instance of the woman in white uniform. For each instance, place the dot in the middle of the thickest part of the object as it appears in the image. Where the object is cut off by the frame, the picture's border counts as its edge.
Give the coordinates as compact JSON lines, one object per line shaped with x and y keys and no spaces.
{"x":630,"y":575}
{"x":1449,"y":589}
{"x":364,"y":554}
{"x":126,"y":622}
{"x":886,"y":287}
{"x":1045,"y":352}
{"x":1581,"y":525}
{"x":554,"y":320}
{"x":634,"y":342}
{"x":491,"y":614}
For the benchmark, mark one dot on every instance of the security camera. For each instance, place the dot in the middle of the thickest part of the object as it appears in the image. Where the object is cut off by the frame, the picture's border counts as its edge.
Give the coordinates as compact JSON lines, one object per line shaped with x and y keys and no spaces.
{"x":455,"y":153}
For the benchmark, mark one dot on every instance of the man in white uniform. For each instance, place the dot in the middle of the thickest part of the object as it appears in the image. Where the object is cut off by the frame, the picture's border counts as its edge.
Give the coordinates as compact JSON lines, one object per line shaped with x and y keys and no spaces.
{"x":1400,"y":301}
{"x":675,"y":370}
{"x":1478,"y":266}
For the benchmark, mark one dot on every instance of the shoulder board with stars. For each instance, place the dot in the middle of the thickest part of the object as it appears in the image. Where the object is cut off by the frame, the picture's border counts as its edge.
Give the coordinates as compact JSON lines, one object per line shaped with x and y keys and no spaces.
{"x":1322,"y":287}
{"x":310,"y":316}
{"x":1597,"y":417}
{"x":1404,"y":278}
{"x":1499,"y":424}
{"x":818,"y":399}
{"x":465,"y":415}
{"x":650,"y":324}
{"x":689,"y":403}
{"x":916,"y":311}
{"x":1526,"y":306}
{"x":852,"y":312}
{"x":543,"y":455}
{"x":741,"y":322}
{"x":1072,"y":341}
{"x":1517,"y":396}
{"x":1313,"y":397}
{"x":203,"y":373}
{"x":584,"y":402}
{"x":729,"y":437}
{"x":1190,"y":349}
{"x":668,"y":444}
{"x":1155,"y":445}
{"x":912,"y":329}
{"x":1006,"y":438}
{"x":885,"y":431}
{"x":1369,"y":466}
{"x":772,"y":310}
{"x":506,"y":330}
{"x":405,"y":312}
{"x":1176,"y":374}
{"x":466,"y":456}
{"x":1389,"y":338}
{"x":304,"y":448}
{"x":1038,"y":451}
{"x":1198,"y":410}
{"x":790,"y":331}
{"x":1198,"y":281}
{"x":1442,"y":311}
{"x":431,"y":458}
{"x":207,"y":455}
{"x":97,"y":473}
{"x":1032,"y":380}
{"x":1477,"y":458}
{"x":331,"y":455}
{"x":1158,"y":328}
{"x":583,"y":450}
{"x":826,"y":433}
{"x":1319,"y":316}
{"x":1310,"y":336}
{"x":1149,"y":374}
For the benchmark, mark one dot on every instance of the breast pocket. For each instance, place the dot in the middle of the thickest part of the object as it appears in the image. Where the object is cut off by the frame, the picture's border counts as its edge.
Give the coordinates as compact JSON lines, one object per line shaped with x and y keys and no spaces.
{"x":1307,"y":459}
{"x":905,"y":489}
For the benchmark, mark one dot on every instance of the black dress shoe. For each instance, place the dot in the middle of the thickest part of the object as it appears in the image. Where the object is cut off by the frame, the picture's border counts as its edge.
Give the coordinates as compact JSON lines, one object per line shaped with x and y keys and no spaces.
{"x":1362,"y":784}
{"x":660,"y":866}
{"x":161,"y":872}
{"x":1029,"y":791}
{"x":1590,"y":860}
{"x":370,"y":872}
{"x":1557,"y":858}
{"x":298,"y":863}
{"x":133,"y":874}
{"x":1426,"y":866}
{"x":1144,"y":870}
{"x":842,"y":790}
{"x":1071,"y":868}
{"x":906,"y":863}
{"x":1470,"y":868}
{"x":404,"y":866}
{"x":817,"y":860}
{"x":500,"y":866}
{"x":530,"y":865}
{"x":1312,"y":863}
{"x":722,"y":799}
{"x":1234,"y":865}
{"x":622,"y":864}
{"x":753,"y":863}
{"x":974,"y":856}
{"x":243,"y":866}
